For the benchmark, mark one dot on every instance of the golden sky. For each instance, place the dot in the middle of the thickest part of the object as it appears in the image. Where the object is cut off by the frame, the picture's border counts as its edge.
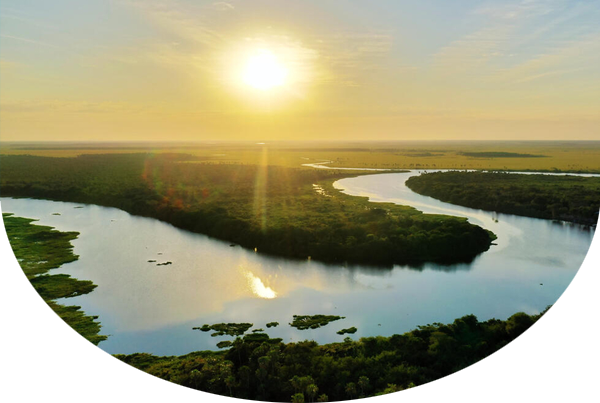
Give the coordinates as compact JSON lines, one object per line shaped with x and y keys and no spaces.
{"x":294,"y":70}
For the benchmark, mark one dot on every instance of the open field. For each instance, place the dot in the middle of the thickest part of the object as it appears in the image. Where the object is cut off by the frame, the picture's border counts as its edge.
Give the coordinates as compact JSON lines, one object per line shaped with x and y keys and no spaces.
{"x":536,"y":156}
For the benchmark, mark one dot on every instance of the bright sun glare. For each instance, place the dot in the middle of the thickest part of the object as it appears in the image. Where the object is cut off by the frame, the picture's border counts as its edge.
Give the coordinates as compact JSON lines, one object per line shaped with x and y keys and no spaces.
{"x":264,"y":71}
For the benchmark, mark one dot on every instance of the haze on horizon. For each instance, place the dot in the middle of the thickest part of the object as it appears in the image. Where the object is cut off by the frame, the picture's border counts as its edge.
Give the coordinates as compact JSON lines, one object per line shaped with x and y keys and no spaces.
{"x":157,"y":70}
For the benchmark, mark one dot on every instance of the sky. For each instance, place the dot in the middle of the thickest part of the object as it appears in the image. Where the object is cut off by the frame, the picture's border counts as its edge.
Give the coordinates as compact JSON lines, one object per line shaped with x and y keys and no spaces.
{"x":156,"y":70}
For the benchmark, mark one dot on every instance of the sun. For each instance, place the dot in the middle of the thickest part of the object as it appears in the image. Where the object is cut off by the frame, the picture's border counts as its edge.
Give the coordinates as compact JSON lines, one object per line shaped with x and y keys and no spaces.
{"x":263,"y":71}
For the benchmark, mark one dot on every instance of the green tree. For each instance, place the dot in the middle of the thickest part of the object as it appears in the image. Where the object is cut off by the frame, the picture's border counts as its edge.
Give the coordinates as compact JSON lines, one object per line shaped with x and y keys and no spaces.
{"x":195,"y":378}
{"x":311,"y":391}
{"x":363,"y":384}
{"x":350,"y":389}
{"x":323,"y":398}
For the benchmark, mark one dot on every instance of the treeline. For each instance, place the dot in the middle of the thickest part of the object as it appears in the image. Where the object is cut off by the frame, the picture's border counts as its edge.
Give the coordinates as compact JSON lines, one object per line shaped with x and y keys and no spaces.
{"x":266,"y":369}
{"x":567,"y":198}
{"x":273,"y":209}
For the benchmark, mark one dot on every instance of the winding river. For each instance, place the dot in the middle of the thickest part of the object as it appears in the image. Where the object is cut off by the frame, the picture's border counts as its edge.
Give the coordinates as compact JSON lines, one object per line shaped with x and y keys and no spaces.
{"x":145,"y":307}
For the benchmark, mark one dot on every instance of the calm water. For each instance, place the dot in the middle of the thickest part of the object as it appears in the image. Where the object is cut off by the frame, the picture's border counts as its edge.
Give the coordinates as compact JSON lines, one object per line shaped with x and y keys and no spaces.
{"x":150,"y":308}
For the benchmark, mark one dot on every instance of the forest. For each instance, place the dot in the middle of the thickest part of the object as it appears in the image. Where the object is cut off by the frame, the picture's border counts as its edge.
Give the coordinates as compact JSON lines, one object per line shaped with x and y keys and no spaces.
{"x":567,"y":198}
{"x":272,"y":209}
{"x":549,"y":357}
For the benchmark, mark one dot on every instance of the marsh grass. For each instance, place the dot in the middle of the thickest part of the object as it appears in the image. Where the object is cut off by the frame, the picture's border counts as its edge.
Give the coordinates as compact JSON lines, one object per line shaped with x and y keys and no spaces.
{"x":37,"y":333}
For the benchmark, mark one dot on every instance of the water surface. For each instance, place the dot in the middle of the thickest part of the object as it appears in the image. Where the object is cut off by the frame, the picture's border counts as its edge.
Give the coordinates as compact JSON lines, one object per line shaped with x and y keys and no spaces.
{"x":150,"y":308}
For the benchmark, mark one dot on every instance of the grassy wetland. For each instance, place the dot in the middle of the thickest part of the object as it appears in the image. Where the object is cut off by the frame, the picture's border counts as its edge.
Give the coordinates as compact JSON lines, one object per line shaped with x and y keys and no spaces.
{"x":36,"y":333}
{"x":563,"y":156}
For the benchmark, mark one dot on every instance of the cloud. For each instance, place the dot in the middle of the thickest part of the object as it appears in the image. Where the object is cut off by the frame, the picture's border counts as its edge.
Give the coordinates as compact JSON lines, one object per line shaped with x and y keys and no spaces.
{"x":26,"y":40}
{"x":567,"y":58}
{"x":58,"y":106}
{"x":521,"y":41}
{"x":223,"y":6}
{"x":343,"y":57}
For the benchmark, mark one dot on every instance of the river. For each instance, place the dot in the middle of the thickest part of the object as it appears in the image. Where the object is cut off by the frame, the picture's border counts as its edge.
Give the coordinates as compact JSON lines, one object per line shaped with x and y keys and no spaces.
{"x":144,"y":307}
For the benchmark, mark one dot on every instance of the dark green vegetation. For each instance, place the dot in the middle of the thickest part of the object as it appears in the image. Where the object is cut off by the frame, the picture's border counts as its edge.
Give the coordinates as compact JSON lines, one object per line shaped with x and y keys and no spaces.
{"x":35,"y":330}
{"x":272,"y":324}
{"x":271,"y":208}
{"x":550,"y":357}
{"x":350,"y":330}
{"x":568,"y":198}
{"x":499,"y":154}
{"x":303,"y":322}
{"x":222,"y":329}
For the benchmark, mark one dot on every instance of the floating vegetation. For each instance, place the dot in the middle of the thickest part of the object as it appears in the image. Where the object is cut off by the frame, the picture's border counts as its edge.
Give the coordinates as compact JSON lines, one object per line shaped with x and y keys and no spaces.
{"x":260,"y":337}
{"x":272,"y":324}
{"x":164,"y":264}
{"x":55,"y":213}
{"x":224,"y":344}
{"x":303,"y":322}
{"x":151,"y":261}
{"x":257,"y":330}
{"x":229,"y":329}
{"x":78,"y":207}
{"x":350,"y":330}
{"x":232,"y":245}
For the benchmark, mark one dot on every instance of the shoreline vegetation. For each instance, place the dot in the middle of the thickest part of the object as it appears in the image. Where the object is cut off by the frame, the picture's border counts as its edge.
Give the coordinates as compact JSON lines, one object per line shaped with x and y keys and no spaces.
{"x":551,"y":356}
{"x":564,"y":198}
{"x":270,"y":209}
{"x":37,"y":333}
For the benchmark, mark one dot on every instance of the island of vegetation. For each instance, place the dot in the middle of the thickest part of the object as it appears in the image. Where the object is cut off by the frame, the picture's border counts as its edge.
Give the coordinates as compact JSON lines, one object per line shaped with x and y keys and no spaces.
{"x":303,"y":322}
{"x":272,"y":209}
{"x":272,"y":324}
{"x":557,"y":197}
{"x":229,"y":329}
{"x":45,"y":351}
{"x":350,"y":330}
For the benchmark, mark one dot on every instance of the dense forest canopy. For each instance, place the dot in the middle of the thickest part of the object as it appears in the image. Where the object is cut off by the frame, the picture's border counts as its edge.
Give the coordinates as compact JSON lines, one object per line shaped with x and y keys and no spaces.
{"x":276,"y":210}
{"x":567,"y":198}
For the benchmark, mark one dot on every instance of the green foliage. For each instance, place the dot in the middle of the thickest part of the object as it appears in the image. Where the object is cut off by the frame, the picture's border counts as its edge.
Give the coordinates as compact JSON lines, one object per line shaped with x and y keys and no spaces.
{"x":34,"y":328}
{"x":350,"y":330}
{"x":567,"y":198}
{"x":260,"y":368}
{"x":272,"y":209}
{"x":303,"y":322}
{"x":229,"y":329}
{"x":272,"y":324}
